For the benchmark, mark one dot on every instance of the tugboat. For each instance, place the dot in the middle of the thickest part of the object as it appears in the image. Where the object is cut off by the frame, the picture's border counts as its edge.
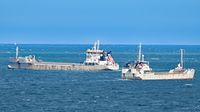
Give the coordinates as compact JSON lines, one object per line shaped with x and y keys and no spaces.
{"x":140,"y":70}
{"x":96,"y":59}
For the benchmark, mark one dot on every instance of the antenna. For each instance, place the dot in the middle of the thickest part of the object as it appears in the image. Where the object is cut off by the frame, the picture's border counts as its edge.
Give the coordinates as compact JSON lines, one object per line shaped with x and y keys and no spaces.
{"x":17,"y":52}
{"x":182,"y":61}
{"x":140,"y":52}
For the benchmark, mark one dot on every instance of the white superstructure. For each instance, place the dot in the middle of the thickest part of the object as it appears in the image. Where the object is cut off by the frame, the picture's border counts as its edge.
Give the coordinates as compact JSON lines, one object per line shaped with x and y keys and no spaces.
{"x":95,"y":56}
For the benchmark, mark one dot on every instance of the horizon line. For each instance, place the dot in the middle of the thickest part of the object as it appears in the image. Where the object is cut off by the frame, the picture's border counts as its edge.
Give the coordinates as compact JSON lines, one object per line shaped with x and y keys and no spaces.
{"x":92,"y":44}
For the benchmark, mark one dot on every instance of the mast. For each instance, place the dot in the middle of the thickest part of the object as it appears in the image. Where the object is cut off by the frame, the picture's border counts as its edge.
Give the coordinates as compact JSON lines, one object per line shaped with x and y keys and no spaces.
{"x":182,"y":61}
{"x":98,"y":44}
{"x":142,"y":58}
{"x":95,"y":46}
{"x":17,"y":52}
{"x":140,"y":52}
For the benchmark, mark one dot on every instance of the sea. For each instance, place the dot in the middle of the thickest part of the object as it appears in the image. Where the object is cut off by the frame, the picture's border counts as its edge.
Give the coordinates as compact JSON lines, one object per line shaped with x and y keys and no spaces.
{"x":98,"y":91}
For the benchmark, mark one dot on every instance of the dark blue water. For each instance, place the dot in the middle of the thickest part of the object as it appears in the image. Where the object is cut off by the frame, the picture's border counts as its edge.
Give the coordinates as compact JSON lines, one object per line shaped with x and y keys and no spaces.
{"x":73,"y":91}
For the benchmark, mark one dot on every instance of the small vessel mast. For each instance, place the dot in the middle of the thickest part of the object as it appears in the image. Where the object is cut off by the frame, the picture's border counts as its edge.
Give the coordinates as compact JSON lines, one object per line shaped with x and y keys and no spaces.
{"x":17,"y":52}
{"x":140,"y":53}
{"x":182,"y":61}
{"x":98,"y":44}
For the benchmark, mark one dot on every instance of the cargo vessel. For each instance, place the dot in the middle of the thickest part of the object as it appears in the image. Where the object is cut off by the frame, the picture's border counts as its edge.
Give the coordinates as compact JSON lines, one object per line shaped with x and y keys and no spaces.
{"x":96,"y":59}
{"x":140,"y":70}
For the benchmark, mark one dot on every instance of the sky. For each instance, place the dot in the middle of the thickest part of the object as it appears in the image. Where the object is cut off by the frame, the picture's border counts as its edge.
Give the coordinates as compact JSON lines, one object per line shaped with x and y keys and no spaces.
{"x":110,"y":21}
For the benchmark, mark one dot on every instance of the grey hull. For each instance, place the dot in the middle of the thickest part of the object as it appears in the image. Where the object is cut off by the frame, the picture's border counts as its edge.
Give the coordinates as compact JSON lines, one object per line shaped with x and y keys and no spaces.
{"x":189,"y":74}
{"x":56,"y":66}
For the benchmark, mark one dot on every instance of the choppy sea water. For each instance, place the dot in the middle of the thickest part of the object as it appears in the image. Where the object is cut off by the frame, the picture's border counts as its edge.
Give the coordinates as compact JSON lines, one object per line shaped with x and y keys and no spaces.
{"x":78,"y":91}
